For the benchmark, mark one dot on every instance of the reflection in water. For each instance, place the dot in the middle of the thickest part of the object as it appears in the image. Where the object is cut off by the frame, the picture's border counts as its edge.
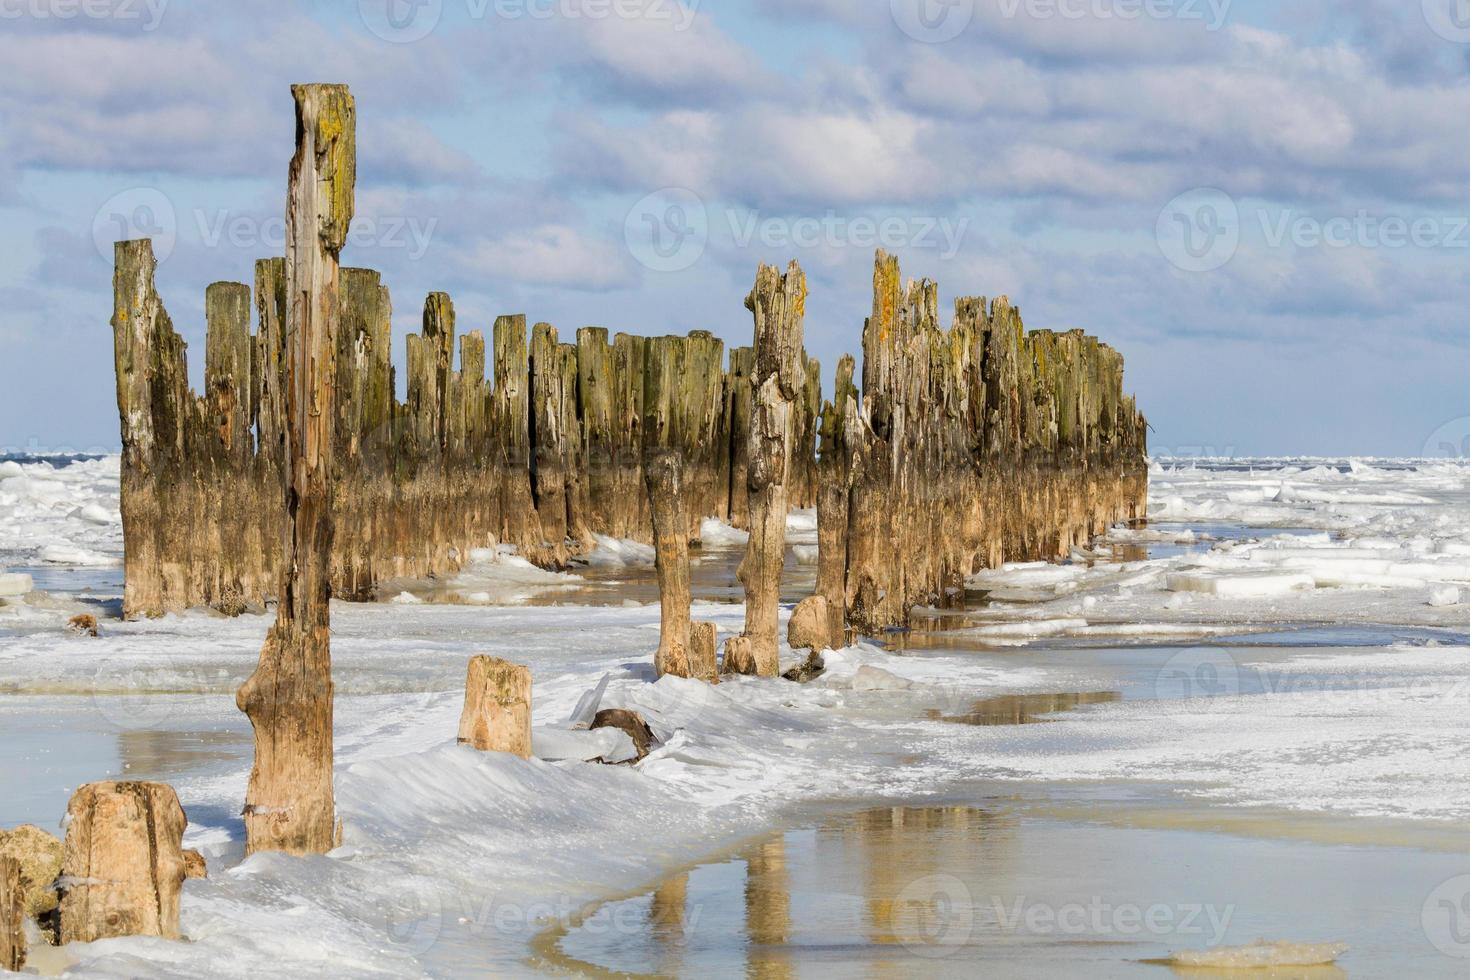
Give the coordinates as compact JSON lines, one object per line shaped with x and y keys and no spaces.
{"x":1022,"y":709}
{"x":962,"y":891}
{"x":666,"y":921}
{"x":157,"y":754}
{"x":913,"y":899}
{"x":878,"y":888}
{"x":767,"y":910}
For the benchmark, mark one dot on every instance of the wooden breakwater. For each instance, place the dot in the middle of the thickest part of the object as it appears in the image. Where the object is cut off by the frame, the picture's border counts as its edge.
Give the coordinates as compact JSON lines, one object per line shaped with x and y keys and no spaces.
{"x":954,"y":448}
{"x":966,"y":448}
{"x":959,"y":448}
{"x":540,"y":451}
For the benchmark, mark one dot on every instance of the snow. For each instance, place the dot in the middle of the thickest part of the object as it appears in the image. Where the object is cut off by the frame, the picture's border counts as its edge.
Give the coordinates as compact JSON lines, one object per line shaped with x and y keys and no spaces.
{"x":439,"y":839}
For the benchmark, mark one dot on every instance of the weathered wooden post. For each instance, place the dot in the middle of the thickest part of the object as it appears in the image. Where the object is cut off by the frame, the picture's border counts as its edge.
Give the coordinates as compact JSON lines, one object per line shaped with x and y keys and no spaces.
{"x":778,"y":303}
{"x":123,"y":862}
{"x":834,"y":486}
{"x":665,"y":477}
{"x":12,"y":916}
{"x":289,"y":803}
{"x":497,"y":707}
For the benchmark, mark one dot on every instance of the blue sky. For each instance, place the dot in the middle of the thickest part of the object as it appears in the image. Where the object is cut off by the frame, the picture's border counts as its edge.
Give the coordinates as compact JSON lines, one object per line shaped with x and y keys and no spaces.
{"x":1263,"y":205}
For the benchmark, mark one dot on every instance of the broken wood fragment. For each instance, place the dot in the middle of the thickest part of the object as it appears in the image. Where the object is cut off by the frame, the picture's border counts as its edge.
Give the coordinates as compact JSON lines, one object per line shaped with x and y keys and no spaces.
{"x":497,"y":707}
{"x":123,"y":863}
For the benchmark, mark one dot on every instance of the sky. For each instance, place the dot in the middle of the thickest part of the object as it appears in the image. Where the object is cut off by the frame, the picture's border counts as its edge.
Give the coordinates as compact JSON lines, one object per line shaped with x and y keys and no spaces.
{"x":1265,"y":206}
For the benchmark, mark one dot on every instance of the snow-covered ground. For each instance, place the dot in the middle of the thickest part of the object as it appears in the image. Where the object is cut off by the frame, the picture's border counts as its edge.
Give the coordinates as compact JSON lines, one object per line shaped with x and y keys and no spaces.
{"x":453,"y":858}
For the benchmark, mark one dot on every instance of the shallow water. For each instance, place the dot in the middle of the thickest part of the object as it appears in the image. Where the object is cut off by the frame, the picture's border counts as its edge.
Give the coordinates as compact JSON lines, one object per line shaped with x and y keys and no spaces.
{"x":994,"y":890}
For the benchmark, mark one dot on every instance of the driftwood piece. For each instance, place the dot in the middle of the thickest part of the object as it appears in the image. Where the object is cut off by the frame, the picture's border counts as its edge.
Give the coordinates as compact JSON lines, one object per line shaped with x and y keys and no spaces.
{"x":123,"y":866}
{"x":778,"y":303}
{"x":289,"y":803}
{"x":497,"y":707}
{"x":627,"y":721}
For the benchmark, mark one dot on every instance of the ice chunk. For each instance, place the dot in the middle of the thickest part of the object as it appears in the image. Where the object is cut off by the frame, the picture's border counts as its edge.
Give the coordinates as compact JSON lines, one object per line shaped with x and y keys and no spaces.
{"x":62,"y":554}
{"x":1029,"y":628}
{"x":558,"y":744}
{"x":717,"y":534}
{"x":1239,"y":584}
{"x":15,"y":584}
{"x":870,"y":678}
{"x":1261,"y":955}
{"x":406,"y":599}
{"x":586,"y":708}
{"x":619,"y":553}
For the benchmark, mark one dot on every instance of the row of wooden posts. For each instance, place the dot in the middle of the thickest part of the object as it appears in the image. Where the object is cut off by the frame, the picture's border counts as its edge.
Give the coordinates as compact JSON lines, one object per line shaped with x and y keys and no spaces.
{"x":298,"y":475}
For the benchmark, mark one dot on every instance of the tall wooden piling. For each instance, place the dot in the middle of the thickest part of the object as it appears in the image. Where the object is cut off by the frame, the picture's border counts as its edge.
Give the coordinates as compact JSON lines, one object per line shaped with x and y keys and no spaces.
{"x":289,"y":803}
{"x":778,"y":304}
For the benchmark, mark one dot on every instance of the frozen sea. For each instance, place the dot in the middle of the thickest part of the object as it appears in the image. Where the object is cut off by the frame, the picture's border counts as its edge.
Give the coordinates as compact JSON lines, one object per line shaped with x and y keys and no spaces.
{"x":1246,"y":720}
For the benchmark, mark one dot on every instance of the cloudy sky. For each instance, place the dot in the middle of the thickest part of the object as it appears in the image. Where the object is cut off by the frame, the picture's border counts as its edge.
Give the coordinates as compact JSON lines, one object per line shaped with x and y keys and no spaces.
{"x":1264,"y":205}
